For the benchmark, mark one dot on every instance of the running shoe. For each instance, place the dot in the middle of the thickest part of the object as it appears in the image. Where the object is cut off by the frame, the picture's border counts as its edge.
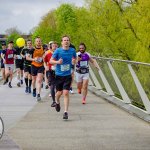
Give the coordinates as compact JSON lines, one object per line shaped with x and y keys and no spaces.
{"x":29,"y":89}
{"x":53,"y":104}
{"x":18,"y":84}
{"x":57,"y":107}
{"x":34,"y":93}
{"x":26,"y":90}
{"x":65,"y":115}
{"x":79,"y":91}
{"x":83,"y":102}
{"x":38,"y":97}
{"x":46,"y":86}
{"x":6,"y":81}
{"x":71,"y":91}
{"x":9,"y":85}
{"x":21,"y":81}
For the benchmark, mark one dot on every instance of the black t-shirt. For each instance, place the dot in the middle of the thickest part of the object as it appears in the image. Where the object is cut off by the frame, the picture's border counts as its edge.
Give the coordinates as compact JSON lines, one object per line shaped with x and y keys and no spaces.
{"x":19,"y":59}
{"x":24,"y":52}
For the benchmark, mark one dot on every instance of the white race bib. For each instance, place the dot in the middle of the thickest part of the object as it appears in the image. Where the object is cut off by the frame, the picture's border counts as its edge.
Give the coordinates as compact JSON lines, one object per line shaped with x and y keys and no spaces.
{"x":65,"y":67}
{"x":19,"y":57}
{"x":10,"y":55}
{"x":83,"y":63}
{"x":53,"y":67}
{"x":40,"y":59}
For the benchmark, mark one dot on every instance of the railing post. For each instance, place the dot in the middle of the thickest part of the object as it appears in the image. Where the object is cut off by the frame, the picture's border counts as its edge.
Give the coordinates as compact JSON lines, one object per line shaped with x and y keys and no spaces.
{"x":90,"y":82}
{"x":96,"y":82}
{"x":119,"y":85}
{"x":106,"y":84}
{"x":104,"y":80}
{"x":140,"y":89}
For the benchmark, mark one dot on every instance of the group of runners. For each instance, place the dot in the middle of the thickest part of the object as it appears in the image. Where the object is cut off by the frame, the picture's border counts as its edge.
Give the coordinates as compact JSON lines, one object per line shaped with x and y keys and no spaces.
{"x":53,"y":63}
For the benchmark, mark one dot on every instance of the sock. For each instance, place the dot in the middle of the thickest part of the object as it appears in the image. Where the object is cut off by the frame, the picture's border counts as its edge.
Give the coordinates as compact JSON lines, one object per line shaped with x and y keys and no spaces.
{"x":30,"y":82}
{"x":26,"y":81}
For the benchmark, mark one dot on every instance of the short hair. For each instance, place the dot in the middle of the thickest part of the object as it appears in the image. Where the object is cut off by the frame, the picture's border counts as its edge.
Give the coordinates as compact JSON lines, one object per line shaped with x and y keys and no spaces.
{"x":29,"y":40}
{"x":65,"y":36}
{"x":83,"y":45}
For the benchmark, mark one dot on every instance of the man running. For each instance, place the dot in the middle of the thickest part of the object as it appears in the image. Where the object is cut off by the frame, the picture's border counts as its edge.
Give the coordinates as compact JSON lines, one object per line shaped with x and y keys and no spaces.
{"x":62,"y":57}
{"x":27,"y":66}
{"x":82,"y":70}
{"x":19,"y":66}
{"x":50,"y":71}
{"x":37,"y":67}
{"x":72,"y":71}
{"x":8,"y":59}
{"x":2,"y":63}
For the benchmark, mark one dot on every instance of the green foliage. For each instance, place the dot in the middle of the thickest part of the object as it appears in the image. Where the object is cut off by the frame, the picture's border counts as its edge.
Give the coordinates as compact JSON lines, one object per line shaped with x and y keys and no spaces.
{"x":13,"y":37}
{"x":109,"y":28}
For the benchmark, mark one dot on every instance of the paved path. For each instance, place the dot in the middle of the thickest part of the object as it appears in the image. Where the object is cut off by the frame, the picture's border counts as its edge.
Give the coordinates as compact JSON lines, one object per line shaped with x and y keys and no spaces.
{"x":98,"y":125}
{"x":14,"y":105}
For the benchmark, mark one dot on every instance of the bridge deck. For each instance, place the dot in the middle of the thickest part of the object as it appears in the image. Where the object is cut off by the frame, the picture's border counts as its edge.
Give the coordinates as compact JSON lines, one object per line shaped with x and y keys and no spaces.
{"x":98,"y":125}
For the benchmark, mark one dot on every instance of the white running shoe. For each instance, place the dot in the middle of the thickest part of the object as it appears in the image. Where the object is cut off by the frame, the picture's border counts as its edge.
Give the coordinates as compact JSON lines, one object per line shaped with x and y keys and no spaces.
{"x":71,"y":91}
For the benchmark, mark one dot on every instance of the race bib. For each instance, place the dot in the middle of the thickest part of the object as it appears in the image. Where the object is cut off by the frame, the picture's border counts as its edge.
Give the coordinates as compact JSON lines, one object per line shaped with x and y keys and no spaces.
{"x":10,"y":56}
{"x":19,"y":57}
{"x":83,"y":63}
{"x":40,"y":59}
{"x":65,"y":67}
{"x":53,"y":67}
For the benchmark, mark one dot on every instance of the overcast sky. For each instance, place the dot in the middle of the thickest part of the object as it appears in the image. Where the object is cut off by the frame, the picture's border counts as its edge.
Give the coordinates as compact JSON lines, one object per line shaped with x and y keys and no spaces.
{"x":26,"y":14}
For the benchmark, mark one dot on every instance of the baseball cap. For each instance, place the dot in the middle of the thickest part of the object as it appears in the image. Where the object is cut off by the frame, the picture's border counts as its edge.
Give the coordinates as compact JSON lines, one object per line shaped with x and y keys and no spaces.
{"x":50,"y":42}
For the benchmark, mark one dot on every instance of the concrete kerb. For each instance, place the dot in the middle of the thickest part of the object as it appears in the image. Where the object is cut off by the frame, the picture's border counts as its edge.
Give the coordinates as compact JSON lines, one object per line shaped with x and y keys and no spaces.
{"x":118,"y":102}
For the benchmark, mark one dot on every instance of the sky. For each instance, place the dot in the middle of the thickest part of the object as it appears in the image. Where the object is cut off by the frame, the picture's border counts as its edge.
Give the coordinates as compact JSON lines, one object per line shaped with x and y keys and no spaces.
{"x":26,"y":14}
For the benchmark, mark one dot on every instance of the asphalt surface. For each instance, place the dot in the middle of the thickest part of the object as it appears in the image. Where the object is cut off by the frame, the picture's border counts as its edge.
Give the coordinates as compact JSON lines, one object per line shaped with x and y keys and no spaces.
{"x":97,"y":125}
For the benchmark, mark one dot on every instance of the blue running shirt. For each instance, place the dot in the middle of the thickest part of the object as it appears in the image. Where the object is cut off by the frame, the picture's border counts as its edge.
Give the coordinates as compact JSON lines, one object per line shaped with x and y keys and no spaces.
{"x":64,"y":69}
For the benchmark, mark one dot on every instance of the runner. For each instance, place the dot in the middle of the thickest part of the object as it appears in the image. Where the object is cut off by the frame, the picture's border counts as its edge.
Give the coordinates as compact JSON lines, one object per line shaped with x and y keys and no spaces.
{"x":72,"y":71}
{"x":2,"y":63}
{"x":19,"y":66}
{"x":27,"y":66}
{"x":63,"y":58}
{"x":82,"y":70}
{"x":8,"y":59}
{"x":45,"y":48}
{"x":50,"y":71}
{"x":37,"y":67}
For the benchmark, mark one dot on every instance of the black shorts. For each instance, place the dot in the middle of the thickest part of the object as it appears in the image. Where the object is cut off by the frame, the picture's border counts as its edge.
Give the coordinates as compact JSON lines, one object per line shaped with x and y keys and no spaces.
{"x":27,"y":69}
{"x":50,"y":74}
{"x":19,"y":65}
{"x":63,"y":82}
{"x":36,"y":70}
{"x":2,"y":65}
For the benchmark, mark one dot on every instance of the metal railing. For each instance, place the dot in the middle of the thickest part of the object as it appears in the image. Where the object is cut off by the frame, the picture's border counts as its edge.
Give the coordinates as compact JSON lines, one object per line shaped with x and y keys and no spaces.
{"x":127,"y":80}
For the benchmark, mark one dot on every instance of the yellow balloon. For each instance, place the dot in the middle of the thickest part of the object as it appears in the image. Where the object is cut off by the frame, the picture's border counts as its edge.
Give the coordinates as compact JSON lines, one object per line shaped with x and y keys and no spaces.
{"x":20,"y":42}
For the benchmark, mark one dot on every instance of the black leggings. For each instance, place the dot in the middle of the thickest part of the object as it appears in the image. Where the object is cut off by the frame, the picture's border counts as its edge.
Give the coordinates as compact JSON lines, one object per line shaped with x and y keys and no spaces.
{"x":53,"y":87}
